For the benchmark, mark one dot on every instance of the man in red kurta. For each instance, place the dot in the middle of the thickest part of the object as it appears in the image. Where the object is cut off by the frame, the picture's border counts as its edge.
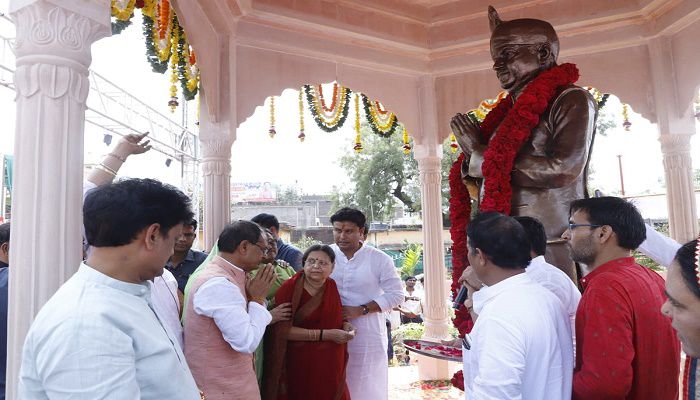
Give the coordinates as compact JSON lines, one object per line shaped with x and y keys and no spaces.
{"x":626,"y":349}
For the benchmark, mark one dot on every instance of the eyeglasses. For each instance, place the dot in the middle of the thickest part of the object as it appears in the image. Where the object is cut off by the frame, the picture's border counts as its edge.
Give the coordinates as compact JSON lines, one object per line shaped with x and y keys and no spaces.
{"x":319,"y":263}
{"x":264,"y":250}
{"x":572,"y":226}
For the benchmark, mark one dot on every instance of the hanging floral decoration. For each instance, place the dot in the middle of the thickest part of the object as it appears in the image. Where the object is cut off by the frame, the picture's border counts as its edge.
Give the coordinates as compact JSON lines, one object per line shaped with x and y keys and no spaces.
{"x":328,"y":118}
{"x":301,"y":136}
{"x":358,"y":138}
{"x":166,"y":43}
{"x":382,"y":122}
{"x":453,"y":143}
{"x":406,"y":143}
{"x":599,"y":97}
{"x":122,"y":11}
{"x":626,"y":117}
{"x":272,"y":132}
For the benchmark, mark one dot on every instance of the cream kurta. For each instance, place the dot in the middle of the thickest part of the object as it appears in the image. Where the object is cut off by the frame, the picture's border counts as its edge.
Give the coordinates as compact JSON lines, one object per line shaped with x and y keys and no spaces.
{"x":368,"y":276}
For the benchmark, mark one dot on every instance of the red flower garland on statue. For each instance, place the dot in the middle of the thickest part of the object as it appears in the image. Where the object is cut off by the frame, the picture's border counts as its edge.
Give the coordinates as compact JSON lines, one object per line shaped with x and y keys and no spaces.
{"x":512,"y":124}
{"x":513,"y":130}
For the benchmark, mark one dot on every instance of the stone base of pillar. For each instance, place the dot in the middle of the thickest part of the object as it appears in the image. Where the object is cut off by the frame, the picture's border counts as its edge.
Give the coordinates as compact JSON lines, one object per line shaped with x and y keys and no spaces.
{"x":430,"y":368}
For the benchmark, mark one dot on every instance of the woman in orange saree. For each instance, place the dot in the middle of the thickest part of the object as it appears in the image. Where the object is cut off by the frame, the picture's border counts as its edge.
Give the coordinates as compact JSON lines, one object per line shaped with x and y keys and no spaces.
{"x":305,"y":357}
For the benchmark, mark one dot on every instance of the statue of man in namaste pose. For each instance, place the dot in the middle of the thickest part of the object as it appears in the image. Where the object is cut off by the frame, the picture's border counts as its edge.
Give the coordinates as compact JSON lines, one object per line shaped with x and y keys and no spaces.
{"x":531,"y":153}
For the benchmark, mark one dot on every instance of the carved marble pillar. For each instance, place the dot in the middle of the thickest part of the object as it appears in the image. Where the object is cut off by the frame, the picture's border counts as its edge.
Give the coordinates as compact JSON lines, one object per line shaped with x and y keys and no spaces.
{"x":678,"y":168}
{"x":216,"y":168}
{"x":435,"y":313}
{"x":53,"y":55}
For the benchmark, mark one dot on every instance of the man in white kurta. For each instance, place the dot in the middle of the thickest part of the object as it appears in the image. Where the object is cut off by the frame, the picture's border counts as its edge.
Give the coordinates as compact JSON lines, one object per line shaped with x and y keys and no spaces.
{"x":99,"y":336}
{"x":520,"y":346}
{"x":369,"y":285}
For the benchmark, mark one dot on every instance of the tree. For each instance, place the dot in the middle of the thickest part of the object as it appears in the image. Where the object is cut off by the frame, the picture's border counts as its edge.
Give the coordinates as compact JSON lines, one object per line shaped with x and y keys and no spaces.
{"x":382,"y":175}
{"x":288,"y":195}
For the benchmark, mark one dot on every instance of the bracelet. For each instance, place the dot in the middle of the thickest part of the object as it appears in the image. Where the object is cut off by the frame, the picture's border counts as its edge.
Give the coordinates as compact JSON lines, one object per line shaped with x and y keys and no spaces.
{"x":320,"y":339}
{"x":106,"y":169}
{"x":122,"y":159}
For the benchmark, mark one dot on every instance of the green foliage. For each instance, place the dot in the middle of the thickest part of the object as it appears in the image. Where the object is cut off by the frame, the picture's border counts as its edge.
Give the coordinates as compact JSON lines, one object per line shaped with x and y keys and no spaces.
{"x":288,"y":195}
{"x":605,"y":122}
{"x":382,"y":174}
{"x":411,"y":257}
{"x":305,"y":242}
{"x":647,"y":262}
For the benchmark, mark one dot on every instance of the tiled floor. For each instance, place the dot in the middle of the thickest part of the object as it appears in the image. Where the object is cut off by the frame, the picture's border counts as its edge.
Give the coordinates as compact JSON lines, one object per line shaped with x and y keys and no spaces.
{"x":404,"y":385}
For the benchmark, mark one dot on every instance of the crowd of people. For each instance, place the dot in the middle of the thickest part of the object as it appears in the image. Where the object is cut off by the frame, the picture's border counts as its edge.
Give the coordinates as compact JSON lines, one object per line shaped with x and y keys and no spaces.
{"x":146,"y":316}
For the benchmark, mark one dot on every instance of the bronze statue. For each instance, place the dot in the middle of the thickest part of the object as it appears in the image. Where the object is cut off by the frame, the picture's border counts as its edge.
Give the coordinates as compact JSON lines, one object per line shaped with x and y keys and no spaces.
{"x":549,"y":167}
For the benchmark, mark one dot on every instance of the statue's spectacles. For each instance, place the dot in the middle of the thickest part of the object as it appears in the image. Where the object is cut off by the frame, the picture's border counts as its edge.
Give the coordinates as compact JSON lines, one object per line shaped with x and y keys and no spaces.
{"x":511,"y":50}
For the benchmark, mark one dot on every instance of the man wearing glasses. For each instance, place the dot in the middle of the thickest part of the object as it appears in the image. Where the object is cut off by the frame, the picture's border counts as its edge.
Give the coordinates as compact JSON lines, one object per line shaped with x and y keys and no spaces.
{"x":226,"y":315}
{"x":625,"y":348}
{"x":185,"y":260}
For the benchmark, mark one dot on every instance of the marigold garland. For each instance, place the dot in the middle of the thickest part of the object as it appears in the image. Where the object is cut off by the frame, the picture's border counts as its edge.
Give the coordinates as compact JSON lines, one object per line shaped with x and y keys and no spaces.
{"x":328,"y":119}
{"x":166,"y":41}
{"x":383,"y":123}
{"x":358,"y":138}
{"x":406,"y":143}
{"x":626,"y":117}
{"x":301,"y":136}
{"x":272,"y":132}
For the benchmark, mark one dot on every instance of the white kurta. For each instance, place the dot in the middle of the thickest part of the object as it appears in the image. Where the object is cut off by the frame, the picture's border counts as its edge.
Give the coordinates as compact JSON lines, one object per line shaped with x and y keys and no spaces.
{"x":99,"y":338}
{"x":166,"y":303}
{"x":520,"y":345}
{"x":242,"y":323}
{"x":368,"y":276}
{"x":557,"y":282}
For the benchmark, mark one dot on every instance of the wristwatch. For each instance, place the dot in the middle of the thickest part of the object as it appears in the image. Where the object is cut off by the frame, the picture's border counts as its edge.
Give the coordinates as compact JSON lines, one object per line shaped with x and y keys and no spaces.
{"x":365,"y":309}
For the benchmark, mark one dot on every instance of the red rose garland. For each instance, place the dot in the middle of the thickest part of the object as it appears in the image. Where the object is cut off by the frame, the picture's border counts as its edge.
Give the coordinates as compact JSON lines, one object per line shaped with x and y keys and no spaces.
{"x":512,"y":129}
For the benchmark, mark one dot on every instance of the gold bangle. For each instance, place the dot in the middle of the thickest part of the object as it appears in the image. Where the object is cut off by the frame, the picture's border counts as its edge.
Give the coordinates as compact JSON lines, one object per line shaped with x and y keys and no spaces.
{"x":106,"y":170}
{"x":122,"y":159}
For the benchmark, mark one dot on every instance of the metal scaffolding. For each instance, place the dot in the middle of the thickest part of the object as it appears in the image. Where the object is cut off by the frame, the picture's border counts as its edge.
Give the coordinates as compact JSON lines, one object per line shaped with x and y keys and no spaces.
{"x":114,"y":111}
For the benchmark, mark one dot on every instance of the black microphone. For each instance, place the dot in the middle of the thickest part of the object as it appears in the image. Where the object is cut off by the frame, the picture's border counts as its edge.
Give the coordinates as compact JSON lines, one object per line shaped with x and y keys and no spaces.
{"x":461,"y":298}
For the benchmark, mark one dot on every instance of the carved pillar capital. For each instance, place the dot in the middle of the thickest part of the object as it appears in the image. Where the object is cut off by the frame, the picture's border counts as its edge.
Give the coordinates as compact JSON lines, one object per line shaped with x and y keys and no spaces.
{"x":678,"y":171}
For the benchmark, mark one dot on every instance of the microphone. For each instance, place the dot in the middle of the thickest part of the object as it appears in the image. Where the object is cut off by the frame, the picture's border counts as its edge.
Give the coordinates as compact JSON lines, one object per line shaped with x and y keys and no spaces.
{"x":461,"y":297}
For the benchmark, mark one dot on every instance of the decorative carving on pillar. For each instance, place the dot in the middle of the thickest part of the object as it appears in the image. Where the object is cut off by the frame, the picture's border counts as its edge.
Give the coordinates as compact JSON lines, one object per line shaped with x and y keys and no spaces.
{"x":52,"y":46}
{"x":436,"y":313}
{"x":678,"y":169}
{"x":216,"y":168}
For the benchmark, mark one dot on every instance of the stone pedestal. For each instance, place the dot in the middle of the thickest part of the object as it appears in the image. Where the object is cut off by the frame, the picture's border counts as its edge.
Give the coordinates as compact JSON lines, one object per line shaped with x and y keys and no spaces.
{"x":678,"y":169}
{"x":53,"y":55}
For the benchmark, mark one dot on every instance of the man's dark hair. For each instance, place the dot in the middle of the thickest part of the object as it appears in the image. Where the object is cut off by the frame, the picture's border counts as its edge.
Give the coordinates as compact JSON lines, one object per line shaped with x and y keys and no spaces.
{"x":192,"y":223}
{"x":115,"y":213}
{"x":409,"y":277}
{"x":318,"y":247}
{"x":502,"y":239}
{"x":235,"y":233}
{"x":685,"y":256}
{"x":621,"y":215}
{"x":347,"y":214}
{"x":5,"y":233}
{"x":535,"y":234}
{"x":266,"y":221}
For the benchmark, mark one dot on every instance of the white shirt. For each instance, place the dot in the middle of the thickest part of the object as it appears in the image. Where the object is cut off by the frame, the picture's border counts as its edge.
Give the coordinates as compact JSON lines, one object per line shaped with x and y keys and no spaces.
{"x":368,"y":276}
{"x":520,"y":345}
{"x":658,"y":247}
{"x":557,"y":282}
{"x":99,"y":338}
{"x":242,"y":325}
{"x":167,"y":304}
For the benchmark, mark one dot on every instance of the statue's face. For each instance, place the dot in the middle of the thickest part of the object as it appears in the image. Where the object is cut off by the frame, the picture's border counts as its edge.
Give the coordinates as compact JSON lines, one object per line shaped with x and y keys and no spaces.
{"x":515,"y":64}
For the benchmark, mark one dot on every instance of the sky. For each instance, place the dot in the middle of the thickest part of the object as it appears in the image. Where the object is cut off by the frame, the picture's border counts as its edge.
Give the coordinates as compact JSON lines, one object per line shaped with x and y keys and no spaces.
{"x":311,"y":166}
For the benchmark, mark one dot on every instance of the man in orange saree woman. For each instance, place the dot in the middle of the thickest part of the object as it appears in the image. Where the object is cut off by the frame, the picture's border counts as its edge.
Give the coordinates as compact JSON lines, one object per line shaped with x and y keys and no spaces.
{"x":306,"y":357}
